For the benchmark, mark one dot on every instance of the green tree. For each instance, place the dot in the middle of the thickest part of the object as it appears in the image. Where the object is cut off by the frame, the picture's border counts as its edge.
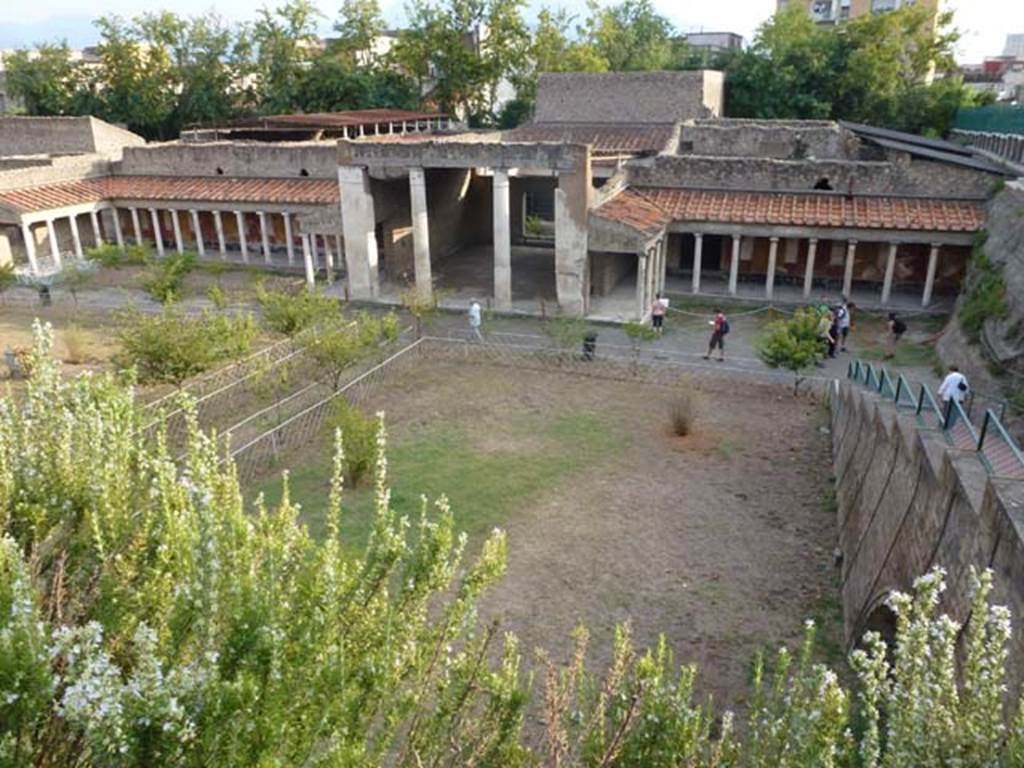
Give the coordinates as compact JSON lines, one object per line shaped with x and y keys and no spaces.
{"x":284,"y":42}
{"x":630,"y":35}
{"x":47,"y":81}
{"x":75,"y":277}
{"x":793,"y":345}
{"x":331,"y":83}
{"x":359,"y":24}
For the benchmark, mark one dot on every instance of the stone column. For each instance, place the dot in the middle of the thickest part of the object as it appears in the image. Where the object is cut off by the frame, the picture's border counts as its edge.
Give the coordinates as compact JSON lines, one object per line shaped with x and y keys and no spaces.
{"x":115,"y":214}
{"x":30,"y":247}
{"x":851,"y":253}
{"x":158,"y":235}
{"x":328,"y":260}
{"x":572,"y":204}
{"x":264,"y":236}
{"x":358,"y":219}
{"x":812,"y":252}
{"x":773,"y":256}
{"x":890,"y":270}
{"x":698,"y":255}
{"x":97,"y":234}
{"x":136,"y":227}
{"x":421,"y":234}
{"x":75,"y":237}
{"x":641,"y":287}
{"x":219,"y":226}
{"x":240,"y":223}
{"x":734,"y":265}
{"x":197,"y":230}
{"x":502,"y":242}
{"x":929,"y":281}
{"x":307,"y":260}
{"x":179,"y":243}
{"x":51,"y":232}
{"x":290,"y":243}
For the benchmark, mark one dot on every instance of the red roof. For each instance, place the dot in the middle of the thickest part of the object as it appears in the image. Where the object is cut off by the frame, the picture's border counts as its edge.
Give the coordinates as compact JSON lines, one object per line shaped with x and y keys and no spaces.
{"x":604,"y":139}
{"x":634,"y":210}
{"x":328,"y":120}
{"x":195,"y":189}
{"x":794,"y":209}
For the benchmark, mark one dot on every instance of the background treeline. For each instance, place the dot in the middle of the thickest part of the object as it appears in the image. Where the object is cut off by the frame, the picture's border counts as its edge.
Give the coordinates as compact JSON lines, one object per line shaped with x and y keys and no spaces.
{"x":160,"y":71}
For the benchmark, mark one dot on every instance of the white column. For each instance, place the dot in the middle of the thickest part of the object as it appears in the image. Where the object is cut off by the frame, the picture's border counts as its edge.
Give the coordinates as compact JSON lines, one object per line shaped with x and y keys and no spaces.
{"x":30,"y":247}
{"x":812,"y":252}
{"x":421,"y":234}
{"x":136,"y":227}
{"x":197,"y":230}
{"x":264,"y":236}
{"x":734,"y":265}
{"x":698,"y":255}
{"x":179,"y":244}
{"x":115,"y":214}
{"x":288,"y":237}
{"x":97,"y":234}
{"x":773,"y":256}
{"x":307,"y":260}
{"x":54,"y":245}
{"x":75,"y":237}
{"x":641,"y":286}
{"x":240,"y":223}
{"x":158,"y":236}
{"x":851,"y":253}
{"x":219,"y":226}
{"x":890,"y":270}
{"x":328,"y":259}
{"x":929,"y":281}
{"x":502,"y":242}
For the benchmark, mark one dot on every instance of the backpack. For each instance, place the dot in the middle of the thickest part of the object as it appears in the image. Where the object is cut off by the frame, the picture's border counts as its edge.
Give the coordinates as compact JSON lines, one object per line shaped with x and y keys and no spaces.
{"x":725,"y":328}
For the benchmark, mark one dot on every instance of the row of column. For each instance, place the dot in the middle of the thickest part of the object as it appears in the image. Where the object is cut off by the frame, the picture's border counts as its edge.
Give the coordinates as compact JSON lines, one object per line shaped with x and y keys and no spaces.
{"x":650,"y":276}
{"x":812,"y":249}
{"x":54,"y":242}
{"x":418,"y":126}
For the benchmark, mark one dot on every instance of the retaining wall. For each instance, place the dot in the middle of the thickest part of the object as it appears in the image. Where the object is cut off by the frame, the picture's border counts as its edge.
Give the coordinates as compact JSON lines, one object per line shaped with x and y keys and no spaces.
{"x":908,"y":502}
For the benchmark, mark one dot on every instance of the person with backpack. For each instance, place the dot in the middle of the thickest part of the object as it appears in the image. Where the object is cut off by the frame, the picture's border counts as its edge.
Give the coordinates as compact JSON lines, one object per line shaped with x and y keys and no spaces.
{"x":719,"y":330}
{"x":843,"y":322}
{"x":896,"y":330}
{"x":953,"y":388}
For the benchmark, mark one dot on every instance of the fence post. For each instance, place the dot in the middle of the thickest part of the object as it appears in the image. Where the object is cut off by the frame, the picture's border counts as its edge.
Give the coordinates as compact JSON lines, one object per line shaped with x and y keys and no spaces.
{"x":984,"y":430}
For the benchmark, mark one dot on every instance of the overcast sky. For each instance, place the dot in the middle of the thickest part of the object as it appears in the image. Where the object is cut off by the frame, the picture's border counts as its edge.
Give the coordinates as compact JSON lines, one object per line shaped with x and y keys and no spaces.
{"x":985,"y":23}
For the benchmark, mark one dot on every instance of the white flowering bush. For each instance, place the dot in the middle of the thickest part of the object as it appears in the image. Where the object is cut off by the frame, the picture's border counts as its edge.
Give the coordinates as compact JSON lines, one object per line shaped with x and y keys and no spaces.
{"x":149,"y":619}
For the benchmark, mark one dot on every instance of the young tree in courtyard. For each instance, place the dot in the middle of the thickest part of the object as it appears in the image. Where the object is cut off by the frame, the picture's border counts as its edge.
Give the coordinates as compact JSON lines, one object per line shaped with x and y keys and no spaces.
{"x":792,"y":345}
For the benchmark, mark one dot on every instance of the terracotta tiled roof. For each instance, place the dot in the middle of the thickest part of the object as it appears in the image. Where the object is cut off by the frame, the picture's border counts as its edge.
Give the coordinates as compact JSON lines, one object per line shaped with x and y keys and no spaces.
{"x":800,"y":210}
{"x":604,"y":139}
{"x":336,"y":119}
{"x":634,"y":210}
{"x":195,"y":189}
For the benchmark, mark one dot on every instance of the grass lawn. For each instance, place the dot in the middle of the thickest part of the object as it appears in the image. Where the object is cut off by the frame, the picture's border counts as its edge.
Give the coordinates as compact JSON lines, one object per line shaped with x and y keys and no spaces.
{"x":488,"y":473}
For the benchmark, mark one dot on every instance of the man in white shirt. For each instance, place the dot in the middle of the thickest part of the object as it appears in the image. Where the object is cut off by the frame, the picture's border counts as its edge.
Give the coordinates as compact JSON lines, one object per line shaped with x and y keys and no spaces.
{"x":475,"y":319}
{"x":954,"y":386}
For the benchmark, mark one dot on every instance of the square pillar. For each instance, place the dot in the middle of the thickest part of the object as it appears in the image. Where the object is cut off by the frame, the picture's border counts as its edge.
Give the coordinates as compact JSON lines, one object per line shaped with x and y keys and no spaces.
{"x":240,"y":222}
{"x":197,"y":231}
{"x":75,"y":237}
{"x":307,"y":260}
{"x":219,"y":226}
{"x":851,"y":253}
{"x":890,"y":270}
{"x":812,"y":252}
{"x":97,"y":233}
{"x":773,"y":257}
{"x":929,"y":281}
{"x":179,"y":244}
{"x":359,"y":219}
{"x":698,"y":255}
{"x":572,"y":210}
{"x":30,"y":247}
{"x":136,"y":227}
{"x":264,"y":236}
{"x":289,"y":241}
{"x":115,"y":215}
{"x":502,"y":241}
{"x":158,"y":236}
{"x":51,"y":233}
{"x":421,"y":234}
{"x":734,"y":264}
{"x":641,"y":286}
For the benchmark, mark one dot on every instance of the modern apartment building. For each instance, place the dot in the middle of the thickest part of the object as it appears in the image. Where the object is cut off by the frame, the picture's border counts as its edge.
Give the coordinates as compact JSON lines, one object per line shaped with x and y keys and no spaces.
{"x":838,"y":11}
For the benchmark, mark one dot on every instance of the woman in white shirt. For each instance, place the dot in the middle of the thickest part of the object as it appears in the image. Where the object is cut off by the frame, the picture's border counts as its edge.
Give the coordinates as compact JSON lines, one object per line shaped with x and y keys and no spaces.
{"x":954,"y":386}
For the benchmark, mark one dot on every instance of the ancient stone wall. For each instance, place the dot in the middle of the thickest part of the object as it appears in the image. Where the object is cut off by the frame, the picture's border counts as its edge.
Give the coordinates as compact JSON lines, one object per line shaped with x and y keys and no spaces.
{"x":62,"y":136}
{"x":783,"y":140}
{"x":55,"y":169}
{"x":908,"y":502}
{"x":241,"y":159}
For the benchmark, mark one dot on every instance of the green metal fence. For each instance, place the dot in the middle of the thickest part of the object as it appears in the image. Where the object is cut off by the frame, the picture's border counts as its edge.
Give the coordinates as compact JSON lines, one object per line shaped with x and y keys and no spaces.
{"x":994,"y":119}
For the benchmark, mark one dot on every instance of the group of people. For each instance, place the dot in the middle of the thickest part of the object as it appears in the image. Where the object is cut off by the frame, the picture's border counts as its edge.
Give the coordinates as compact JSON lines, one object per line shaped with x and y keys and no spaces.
{"x":834,"y":326}
{"x":719,"y":326}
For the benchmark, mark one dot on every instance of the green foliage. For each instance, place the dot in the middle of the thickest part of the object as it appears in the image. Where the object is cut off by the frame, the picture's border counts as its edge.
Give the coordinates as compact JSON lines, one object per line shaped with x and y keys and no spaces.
{"x":7,"y":279}
{"x":357,"y":434}
{"x":793,"y":345}
{"x":167,"y":277}
{"x":422,"y":306}
{"x":291,"y":313}
{"x":639,"y":332}
{"x":984,"y":294}
{"x":336,"y":343}
{"x":217,"y":295}
{"x":566,"y":332}
{"x":173,"y":347}
{"x":76,"y":276}
{"x":113,"y":256}
{"x":534,"y":226}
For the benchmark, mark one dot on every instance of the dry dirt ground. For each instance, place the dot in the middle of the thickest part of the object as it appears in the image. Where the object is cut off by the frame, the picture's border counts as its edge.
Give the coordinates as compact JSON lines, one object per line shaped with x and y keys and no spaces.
{"x":721,"y":540}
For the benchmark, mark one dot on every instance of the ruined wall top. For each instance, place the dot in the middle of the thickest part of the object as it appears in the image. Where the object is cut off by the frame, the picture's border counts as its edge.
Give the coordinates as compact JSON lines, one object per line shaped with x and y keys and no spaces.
{"x":63,"y":136}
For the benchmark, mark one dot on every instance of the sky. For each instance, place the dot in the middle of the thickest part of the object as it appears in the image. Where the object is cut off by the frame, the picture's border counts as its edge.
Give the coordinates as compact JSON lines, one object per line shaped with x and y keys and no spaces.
{"x":985,"y":23}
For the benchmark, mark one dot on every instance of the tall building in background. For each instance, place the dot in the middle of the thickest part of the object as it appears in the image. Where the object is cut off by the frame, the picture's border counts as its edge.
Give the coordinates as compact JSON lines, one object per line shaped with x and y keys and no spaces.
{"x":1014,"y":47}
{"x":838,"y":11}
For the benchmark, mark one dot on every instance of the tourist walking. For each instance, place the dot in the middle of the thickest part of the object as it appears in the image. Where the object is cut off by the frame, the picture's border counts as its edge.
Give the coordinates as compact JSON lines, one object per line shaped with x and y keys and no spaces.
{"x":954,"y":387}
{"x":843,"y":321}
{"x":826,"y":332}
{"x":658,"y":311}
{"x":719,"y":330}
{"x":475,"y":319}
{"x":896,"y":329}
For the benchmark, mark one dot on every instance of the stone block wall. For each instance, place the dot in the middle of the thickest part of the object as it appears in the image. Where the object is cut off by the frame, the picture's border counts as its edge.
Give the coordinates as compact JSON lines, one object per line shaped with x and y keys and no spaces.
{"x":62,"y":136}
{"x":907,"y":502}
{"x":782,"y":140}
{"x":317,"y":160}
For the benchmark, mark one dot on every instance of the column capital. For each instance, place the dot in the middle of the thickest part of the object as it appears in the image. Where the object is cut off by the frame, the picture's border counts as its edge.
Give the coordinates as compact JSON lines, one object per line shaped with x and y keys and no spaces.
{"x":698,"y":235}
{"x":852,"y":243}
{"x":812,"y":240}
{"x":773,"y":240}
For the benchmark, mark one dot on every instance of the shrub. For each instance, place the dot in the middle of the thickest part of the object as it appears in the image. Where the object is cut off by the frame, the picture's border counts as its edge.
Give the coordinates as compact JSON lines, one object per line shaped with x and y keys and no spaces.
{"x":112,"y":256}
{"x":335,"y":345}
{"x":216,"y":295}
{"x":292,"y":313}
{"x":422,"y":307}
{"x":75,"y":344}
{"x":984,"y":294}
{"x":7,"y":279}
{"x":683,"y":412}
{"x":358,"y":439}
{"x":172,"y":347}
{"x":792,"y":344}
{"x":566,"y":333}
{"x":166,"y":278}
{"x":75,"y":276}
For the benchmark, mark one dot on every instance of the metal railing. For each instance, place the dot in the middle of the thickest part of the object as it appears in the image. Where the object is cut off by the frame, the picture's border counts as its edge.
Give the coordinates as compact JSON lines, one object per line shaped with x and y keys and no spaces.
{"x":995,"y":447}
